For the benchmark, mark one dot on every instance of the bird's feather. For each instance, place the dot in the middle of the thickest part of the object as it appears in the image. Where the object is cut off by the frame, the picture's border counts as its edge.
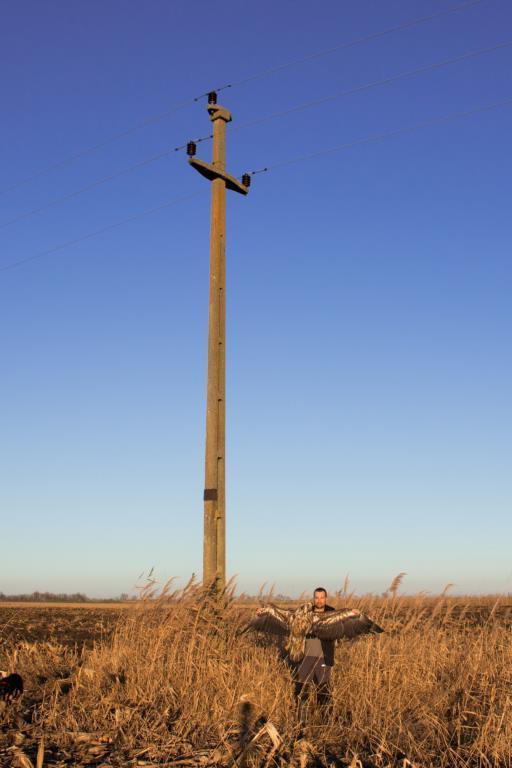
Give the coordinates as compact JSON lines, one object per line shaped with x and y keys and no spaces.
{"x":345,"y":623}
{"x":271,"y":619}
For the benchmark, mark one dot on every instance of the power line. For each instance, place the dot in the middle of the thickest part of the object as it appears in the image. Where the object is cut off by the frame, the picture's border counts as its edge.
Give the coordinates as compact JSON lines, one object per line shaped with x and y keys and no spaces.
{"x":337,"y":148}
{"x":95,"y":147}
{"x":370,"y":85}
{"x":93,"y":185}
{"x":360,"y":89}
{"x":256,"y":76}
{"x":348,"y":44}
{"x":75,"y":241}
{"x":258,"y":121}
{"x":87,"y":188}
{"x":387,"y":134}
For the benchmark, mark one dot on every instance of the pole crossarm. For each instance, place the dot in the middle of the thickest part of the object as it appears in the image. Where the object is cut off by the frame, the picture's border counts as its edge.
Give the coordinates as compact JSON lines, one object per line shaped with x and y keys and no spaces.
{"x":211,"y":172}
{"x":214,"y":541}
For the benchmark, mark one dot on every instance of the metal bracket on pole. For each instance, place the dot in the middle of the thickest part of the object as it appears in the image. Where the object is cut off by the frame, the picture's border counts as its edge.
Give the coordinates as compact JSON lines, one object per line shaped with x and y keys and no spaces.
{"x":210,"y":172}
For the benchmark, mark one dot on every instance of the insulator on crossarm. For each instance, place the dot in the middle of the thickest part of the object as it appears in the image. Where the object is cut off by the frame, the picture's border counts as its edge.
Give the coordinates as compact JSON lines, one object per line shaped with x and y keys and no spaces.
{"x":246,"y":180}
{"x":191,"y":148}
{"x":212,"y":97}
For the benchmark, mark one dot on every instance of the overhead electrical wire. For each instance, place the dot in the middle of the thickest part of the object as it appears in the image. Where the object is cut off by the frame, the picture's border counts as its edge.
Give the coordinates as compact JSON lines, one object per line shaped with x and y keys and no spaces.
{"x":370,"y":85}
{"x":342,"y":46}
{"x":87,"y":188}
{"x":88,"y":150}
{"x":299,"y":107}
{"x":255,"y":76}
{"x":281,"y":164}
{"x":387,"y":134}
{"x":359,"y":89}
{"x":102,"y":230}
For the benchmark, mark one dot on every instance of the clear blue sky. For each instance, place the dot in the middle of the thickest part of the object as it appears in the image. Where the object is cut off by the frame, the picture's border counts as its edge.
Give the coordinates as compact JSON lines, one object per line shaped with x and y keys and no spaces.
{"x":369,"y":315}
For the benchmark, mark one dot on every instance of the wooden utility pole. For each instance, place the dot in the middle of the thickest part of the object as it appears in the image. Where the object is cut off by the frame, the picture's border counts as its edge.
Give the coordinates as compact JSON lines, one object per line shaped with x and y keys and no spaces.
{"x":214,"y":546}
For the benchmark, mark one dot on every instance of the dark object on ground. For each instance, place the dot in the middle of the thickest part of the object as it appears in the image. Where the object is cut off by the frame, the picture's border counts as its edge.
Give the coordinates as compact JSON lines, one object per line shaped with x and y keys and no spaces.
{"x":11,"y":687}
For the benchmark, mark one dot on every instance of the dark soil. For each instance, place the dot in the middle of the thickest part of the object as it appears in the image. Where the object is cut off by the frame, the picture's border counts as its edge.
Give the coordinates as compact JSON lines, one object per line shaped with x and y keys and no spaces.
{"x":64,"y":626}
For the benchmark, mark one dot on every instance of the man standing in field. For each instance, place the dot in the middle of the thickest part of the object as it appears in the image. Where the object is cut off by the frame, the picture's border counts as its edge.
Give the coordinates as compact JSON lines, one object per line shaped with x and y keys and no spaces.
{"x":316,"y":666}
{"x":311,"y":631}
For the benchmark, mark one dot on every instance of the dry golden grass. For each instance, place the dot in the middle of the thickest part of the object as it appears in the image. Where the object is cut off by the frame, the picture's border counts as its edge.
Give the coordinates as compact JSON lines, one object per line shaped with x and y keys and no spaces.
{"x":177,"y":684}
{"x":49,"y":606}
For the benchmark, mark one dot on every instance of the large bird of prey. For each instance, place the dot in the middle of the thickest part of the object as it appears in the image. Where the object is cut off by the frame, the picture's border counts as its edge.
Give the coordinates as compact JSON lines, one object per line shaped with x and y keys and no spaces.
{"x":296,"y":624}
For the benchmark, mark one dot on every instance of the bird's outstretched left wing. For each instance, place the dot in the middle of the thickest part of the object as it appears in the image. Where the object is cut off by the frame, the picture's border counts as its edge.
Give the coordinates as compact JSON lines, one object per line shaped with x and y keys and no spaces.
{"x":270,"y":619}
{"x":345,"y":623}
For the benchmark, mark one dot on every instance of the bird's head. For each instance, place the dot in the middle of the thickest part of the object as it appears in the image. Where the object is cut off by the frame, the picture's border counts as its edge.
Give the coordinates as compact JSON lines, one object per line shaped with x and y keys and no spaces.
{"x":302,"y":620}
{"x":304,"y":609}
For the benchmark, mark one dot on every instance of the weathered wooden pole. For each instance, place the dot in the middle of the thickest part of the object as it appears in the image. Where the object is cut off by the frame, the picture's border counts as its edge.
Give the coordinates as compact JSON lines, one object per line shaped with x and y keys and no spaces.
{"x":214,"y":543}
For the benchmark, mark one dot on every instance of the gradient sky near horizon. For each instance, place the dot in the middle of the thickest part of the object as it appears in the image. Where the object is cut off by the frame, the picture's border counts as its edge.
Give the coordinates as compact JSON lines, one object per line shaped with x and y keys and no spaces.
{"x":369,"y":314}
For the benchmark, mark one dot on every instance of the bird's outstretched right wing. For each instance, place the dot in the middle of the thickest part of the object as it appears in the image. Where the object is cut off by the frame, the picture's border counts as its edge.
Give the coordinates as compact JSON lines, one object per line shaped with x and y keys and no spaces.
{"x":270,"y":619}
{"x":347,"y":623}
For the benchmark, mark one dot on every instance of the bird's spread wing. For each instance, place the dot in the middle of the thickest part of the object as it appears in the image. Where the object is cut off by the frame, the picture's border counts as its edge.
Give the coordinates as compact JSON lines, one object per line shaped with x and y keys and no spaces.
{"x":346,"y":623}
{"x":271,"y":619}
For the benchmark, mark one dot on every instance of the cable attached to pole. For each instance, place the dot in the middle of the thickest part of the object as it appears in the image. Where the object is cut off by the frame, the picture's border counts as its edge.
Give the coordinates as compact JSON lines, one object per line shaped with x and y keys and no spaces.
{"x":364,"y":87}
{"x":388,"y":134}
{"x":261,"y":74}
{"x":348,"y":44}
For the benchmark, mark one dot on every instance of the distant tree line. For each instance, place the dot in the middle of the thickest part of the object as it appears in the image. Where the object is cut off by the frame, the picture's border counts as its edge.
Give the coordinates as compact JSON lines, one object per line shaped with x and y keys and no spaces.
{"x":251,"y":599}
{"x":61,"y":597}
{"x":80,"y":597}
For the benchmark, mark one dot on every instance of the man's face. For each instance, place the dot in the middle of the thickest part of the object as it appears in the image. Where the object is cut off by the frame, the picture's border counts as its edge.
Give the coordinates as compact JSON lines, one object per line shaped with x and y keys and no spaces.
{"x":319,"y":600}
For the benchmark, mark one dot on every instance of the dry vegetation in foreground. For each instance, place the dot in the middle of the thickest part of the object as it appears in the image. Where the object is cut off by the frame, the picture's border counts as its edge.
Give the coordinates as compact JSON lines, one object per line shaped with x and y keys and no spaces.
{"x":175,"y":684}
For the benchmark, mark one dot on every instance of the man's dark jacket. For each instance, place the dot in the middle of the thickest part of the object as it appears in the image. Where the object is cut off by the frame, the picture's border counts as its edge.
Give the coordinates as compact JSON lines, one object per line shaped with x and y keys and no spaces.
{"x":327,"y":645}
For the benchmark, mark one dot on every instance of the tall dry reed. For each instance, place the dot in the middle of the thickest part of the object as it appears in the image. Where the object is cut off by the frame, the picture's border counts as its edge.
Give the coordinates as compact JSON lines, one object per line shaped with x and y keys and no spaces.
{"x":178,"y":678}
